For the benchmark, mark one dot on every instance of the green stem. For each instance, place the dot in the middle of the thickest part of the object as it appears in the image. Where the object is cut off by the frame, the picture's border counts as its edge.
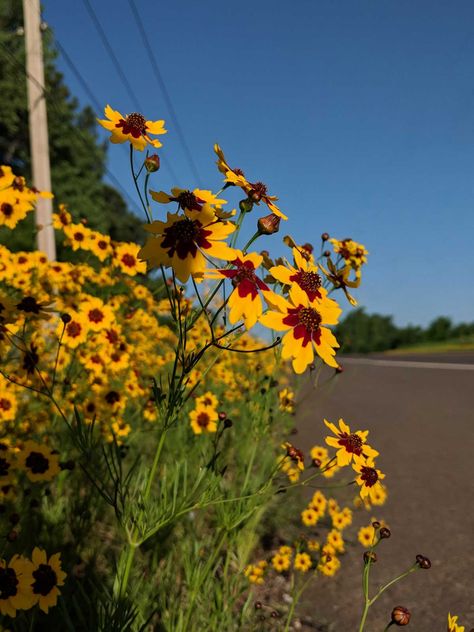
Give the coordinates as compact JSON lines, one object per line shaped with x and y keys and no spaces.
{"x":154,"y":466}
{"x":393,"y":581}
{"x":250,"y":241}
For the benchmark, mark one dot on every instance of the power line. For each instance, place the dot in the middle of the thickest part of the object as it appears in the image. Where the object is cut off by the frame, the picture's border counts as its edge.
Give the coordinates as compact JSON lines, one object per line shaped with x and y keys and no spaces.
{"x":58,"y":110}
{"x":166,"y":95}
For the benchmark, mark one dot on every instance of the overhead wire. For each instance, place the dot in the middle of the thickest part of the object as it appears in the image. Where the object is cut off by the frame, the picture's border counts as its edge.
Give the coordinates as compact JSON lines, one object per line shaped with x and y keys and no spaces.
{"x":164,"y":89}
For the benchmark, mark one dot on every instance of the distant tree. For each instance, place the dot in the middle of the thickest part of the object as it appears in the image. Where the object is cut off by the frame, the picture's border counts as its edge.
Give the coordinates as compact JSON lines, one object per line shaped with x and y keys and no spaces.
{"x":360,"y":332}
{"x":78,"y":158}
{"x":439,"y":329}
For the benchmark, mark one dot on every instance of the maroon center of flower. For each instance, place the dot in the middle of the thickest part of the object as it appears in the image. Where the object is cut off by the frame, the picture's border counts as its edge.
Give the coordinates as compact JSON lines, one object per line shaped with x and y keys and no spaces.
{"x":258,"y":191}
{"x":45,"y":580}
{"x":183,"y":238}
{"x":8,"y":583}
{"x":128,"y":260}
{"x":102,"y":244}
{"x":203,"y":420}
{"x":369,"y":476}
{"x":352,"y":443}
{"x":112,"y":397}
{"x":73,"y":329}
{"x":310,"y":318}
{"x":96,"y":316}
{"x":18,"y":184}
{"x":4,"y":466}
{"x":310,"y":282}
{"x":5,"y":404}
{"x":187,"y":199}
{"x":112,"y":336}
{"x":63,"y":218}
{"x":37,"y":463}
{"x":134,"y":124}
{"x":7,"y":209}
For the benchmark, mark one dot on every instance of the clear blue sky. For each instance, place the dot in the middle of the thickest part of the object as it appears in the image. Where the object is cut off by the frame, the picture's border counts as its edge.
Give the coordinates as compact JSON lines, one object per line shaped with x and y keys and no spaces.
{"x":358,"y":115}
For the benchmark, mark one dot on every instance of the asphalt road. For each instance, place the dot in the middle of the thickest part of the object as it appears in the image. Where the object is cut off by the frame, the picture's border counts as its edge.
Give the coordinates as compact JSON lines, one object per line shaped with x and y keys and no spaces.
{"x":421,"y":420}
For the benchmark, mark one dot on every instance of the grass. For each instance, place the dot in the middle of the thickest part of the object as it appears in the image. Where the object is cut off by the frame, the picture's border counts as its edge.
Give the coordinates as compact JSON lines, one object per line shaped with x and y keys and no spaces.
{"x":459,"y":344}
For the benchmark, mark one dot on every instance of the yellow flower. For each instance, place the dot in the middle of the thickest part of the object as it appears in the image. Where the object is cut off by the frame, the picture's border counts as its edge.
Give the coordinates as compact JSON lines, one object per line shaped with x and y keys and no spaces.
{"x":335,"y":539}
{"x":208,"y":399}
{"x":38,"y":461}
{"x":184,"y":241}
{"x":127,"y":258}
{"x":310,"y":517}
{"x":353,"y":253}
{"x":15,"y":590}
{"x":369,"y":477}
{"x":255,"y":572}
{"x":133,"y":128}
{"x":46,"y":576}
{"x":281,"y":562}
{"x":98,"y":315}
{"x":304,"y":322}
{"x":313,"y":545}
{"x":304,"y":274}
{"x":349,"y":444}
{"x":75,"y":331}
{"x":193,"y":200}
{"x":452,"y":624}
{"x":8,"y":406}
{"x":285,"y":550}
{"x":302,"y":562}
{"x":244,"y":302}
{"x":256,"y":192}
{"x":286,"y":400}
{"x":329,"y":565}
{"x":203,"y":419}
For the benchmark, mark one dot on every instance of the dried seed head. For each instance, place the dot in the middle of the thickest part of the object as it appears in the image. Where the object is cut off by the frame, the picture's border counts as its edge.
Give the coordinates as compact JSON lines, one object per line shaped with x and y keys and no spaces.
{"x":423,"y":562}
{"x":152,"y":163}
{"x":325,"y":236}
{"x":385,"y":533}
{"x":370,"y":556}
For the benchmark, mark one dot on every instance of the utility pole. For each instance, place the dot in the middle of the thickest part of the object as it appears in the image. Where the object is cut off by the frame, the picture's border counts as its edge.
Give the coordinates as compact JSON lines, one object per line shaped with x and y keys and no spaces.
{"x":38,"y":125}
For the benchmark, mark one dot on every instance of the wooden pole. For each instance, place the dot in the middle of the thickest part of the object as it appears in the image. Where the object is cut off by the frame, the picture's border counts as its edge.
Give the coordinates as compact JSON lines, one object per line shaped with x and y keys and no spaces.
{"x":38,"y":125}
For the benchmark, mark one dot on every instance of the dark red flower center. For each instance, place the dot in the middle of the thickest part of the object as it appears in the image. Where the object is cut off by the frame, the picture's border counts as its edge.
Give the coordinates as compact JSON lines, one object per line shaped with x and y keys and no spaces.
{"x":310,"y":282}
{"x":78,"y":236}
{"x":310,"y":318}
{"x":45,"y":580}
{"x":203,"y":420}
{"x":128,"y":260}
{"x":5,"y":404}
{"x":238,"y":172}
{"x":7,"y":209}
{"x":73,"y":329}
{"x":37,"y":463}
{"x":134,"y":124}
{"x":369,"y":476}
{"x":96,"y":315}
{"x":187,"y":199}
{"x":112,"y":397}
{"x":8,"y":583}
{"x":244,"y":278}
{"x":257,"y":192}
{"x":184,"y":237}
{"x":351,"y":442}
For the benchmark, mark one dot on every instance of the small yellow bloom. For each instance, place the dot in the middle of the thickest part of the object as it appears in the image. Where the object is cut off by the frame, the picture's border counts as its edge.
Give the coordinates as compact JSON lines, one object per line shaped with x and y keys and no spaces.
{"x":203,"y":419}
{"x":47,"y":575}
{"x":281,"y":562}
{"x":349,"y":444}
{"x":453,"y":625}
{"x":133,"y":128}
{"x":302,"y":562}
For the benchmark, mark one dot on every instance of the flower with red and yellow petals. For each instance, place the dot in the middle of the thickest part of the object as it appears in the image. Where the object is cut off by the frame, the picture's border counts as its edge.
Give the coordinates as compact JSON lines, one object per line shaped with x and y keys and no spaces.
{"x":369,"y":477}
{"x":304,"y":321}
{"x":349,"y":444}
{"x":133,"y":128}
{"x":193,"y":200}
{"x":184,"y":241}
{"x":304,"y":274}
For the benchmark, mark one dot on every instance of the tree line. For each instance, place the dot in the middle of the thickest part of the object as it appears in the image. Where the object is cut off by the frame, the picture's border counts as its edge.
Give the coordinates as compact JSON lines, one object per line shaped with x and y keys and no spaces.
{"x":360,"y":332}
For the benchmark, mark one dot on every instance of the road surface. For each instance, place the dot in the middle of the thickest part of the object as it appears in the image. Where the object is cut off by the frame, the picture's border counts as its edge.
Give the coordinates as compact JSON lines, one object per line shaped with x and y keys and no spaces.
{"x":421,"y":420}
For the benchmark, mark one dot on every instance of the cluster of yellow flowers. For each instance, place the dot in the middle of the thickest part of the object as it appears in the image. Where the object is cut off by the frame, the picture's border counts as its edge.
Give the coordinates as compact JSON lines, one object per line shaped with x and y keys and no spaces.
{"x":25,"y":583}
{"x":16,"y":199}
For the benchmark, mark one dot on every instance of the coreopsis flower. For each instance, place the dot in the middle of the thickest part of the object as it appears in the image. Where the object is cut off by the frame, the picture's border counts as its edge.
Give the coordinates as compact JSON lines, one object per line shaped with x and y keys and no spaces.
{"x":285,"y":550}
{"x":304,"y":273}
{"x":98,"y":315}
{"x":255,"y":572}
{"x":244,"y":302}
{"x":38,"y":461}
{"x":8,"y":406}
{"x":256,"y":192}
{"x":127,"y":258}
{"x":184,"y":241}
{"x":133,"y":128}
{"x":286,"y":399}
{"x":341,"y":519}
{"x":369,"y":477}
{"x":304,"y":321}
{"x":16,"y":198}
{"x":310,"y":517}
{"x":281,"y":562}
{"x":349,"y":444}
{"x":203,"y":419}
{"x":335,"y":539}
{"x":193,"y":200}
{"x":302,"y":562}
{"x":329,"y":564}
{"x":353,"y":253}
{"x":78,"y":236}
{"x":208,"y":399}
{"x":46,"y":576}
{"x":453,"y":624}
{"x":15,"y":590}
{"x":319,"y":502}
{"x":294,"y":455}
{"x":340,"y":279}
{"x":100,"y":245}
{"x":366,"y":536}
{"x":75,"y":331}
{"x":62,"y":218}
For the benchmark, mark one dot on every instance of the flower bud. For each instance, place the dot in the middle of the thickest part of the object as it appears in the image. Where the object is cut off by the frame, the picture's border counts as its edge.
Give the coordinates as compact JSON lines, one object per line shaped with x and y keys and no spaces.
{"x":269,"y":224}
{"x":246,"y":205}
{"x":316,"y":463}
{"x":325,"y":236}
{"x":228,"y":423}
{"x":400,"y":616}
{"x":370,"y":556}
{"x":258,"y":605}
{"x":66,"y":318}
{"x":385,"y":533}
{"x":152,"y":163}
{"x":339,"y":369}
{"x":326,"y":253}
{"x":423,"y":562}
{"x":376,"y":524}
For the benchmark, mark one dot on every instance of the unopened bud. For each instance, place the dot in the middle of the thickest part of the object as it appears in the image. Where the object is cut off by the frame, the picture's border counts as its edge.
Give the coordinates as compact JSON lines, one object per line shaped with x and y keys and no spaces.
{"x":326,"y":253}
{"x":222,"y":415}
{"x":269,"y":224}
{"x":66,"y":318}
{"x":275,"y":614}
{"x":228,"y":423}
{"x":258,"y":605}
{"x":385,"y":533}
{"x":376,"y":524}
{"x":370,"y":556}
{"x":325,"y":236}
{"x":152,"y":163}
{"x":401,"y":616}
{"x":316,"y":463}
{"x":246,"y":205}
{"x":423,"y":562}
